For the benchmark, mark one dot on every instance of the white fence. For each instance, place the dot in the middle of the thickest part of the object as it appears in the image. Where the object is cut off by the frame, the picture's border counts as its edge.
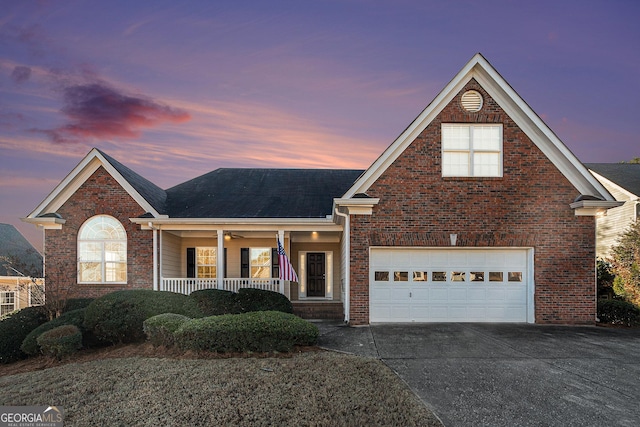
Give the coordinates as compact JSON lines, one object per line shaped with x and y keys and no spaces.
{"x":188,"y":285}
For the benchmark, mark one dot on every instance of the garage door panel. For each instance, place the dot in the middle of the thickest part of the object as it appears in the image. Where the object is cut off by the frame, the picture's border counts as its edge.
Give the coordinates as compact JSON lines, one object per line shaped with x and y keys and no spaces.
{"x":478,"y":285}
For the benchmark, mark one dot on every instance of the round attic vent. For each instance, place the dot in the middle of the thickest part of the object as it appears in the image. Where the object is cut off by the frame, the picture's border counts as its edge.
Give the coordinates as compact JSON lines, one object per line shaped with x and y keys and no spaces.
{"x":471,"y":101}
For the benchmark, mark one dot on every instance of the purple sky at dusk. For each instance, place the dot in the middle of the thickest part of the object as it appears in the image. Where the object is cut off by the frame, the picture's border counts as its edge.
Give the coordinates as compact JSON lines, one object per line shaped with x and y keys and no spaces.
{"x":176,"y":89}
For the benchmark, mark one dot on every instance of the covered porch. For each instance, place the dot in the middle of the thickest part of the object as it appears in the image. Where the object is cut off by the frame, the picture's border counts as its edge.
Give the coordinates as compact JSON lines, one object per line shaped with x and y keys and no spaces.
{"x":190,"y":255}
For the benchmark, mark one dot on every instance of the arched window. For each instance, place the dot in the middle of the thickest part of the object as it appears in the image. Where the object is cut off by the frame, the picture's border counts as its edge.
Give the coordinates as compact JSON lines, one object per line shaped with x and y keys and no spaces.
{"x":102,"y":251}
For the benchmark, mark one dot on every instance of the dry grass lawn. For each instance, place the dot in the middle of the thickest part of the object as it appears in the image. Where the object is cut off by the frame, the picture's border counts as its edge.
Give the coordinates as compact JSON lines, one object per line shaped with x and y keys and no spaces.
{"x":313,"y":388}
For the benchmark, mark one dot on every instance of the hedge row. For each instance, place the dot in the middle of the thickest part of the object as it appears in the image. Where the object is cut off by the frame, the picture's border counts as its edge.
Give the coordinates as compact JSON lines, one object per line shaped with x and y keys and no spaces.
{"x":259,"y":331}
{"x":213,"y":302}
{"x":618,"y":312}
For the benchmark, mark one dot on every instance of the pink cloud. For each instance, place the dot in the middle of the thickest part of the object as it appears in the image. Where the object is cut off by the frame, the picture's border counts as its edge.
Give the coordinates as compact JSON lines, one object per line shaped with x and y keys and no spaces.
{"x":96,"y":110}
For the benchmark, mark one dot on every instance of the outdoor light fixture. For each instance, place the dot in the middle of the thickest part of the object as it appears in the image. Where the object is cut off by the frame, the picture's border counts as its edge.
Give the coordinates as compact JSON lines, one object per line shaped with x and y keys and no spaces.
{"x":454,"y":239}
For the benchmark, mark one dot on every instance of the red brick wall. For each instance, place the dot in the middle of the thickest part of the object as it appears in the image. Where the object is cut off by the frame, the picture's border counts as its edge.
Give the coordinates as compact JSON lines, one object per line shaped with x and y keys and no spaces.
{"x":527,"y":207}
{"x":99,"y":195}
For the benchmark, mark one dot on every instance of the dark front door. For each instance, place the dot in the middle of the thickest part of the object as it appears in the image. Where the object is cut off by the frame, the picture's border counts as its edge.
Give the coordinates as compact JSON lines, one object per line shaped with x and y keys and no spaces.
{"x":315,"y":274}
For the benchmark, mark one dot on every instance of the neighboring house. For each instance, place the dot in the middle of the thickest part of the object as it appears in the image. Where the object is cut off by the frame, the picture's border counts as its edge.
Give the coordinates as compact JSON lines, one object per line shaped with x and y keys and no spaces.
{"x":622,"y":180}
{"x":18,"y":292}
{"x":476,"y":212}
{"x":17,"y":255}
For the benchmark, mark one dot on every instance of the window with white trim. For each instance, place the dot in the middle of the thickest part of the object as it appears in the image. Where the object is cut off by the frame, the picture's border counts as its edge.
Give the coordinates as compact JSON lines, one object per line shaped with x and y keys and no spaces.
{"x":206,"y":262}
{"x":102,"y":251}
{"x":7,"y":302}
{"x":473,"y":150}
{"x":260,"y":263}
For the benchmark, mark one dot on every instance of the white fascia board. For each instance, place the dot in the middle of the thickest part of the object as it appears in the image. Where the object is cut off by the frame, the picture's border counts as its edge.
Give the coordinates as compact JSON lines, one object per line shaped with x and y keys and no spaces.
{"x":608,"y":183}
{"x":594,"y":207}
{"x":70,"y":184}
{"x":530,"y":123}
{"x":238,"y":224}
{"x":48,"y":223}
{"x":539,"y":133}
{"x":413,"y":130}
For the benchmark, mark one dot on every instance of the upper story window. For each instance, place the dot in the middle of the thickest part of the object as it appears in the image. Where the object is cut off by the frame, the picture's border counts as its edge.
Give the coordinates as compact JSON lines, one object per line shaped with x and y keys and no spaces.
{"x":102,"y":251}
{"x":473,"y":150}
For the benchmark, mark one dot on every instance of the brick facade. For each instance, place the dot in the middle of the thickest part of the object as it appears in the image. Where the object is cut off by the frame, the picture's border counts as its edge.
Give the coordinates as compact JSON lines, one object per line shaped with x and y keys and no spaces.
{"x":100,"y":194}
{"x":527,"y":207}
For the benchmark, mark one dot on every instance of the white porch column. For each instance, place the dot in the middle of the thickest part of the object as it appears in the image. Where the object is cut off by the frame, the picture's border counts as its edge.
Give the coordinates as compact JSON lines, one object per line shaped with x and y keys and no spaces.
{"x":286,"y":249}
{"x":155,"y":259}
{"x":220,"y":260}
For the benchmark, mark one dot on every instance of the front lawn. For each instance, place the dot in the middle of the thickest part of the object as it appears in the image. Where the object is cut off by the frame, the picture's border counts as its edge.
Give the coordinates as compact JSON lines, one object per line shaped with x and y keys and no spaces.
{"x":312,"y":388}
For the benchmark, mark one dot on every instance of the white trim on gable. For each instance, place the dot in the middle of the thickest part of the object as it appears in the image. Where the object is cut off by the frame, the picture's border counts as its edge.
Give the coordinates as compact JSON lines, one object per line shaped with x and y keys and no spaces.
{"x":608,"y":182}
{"x":478,"y":68}
{"x":72,"y":182}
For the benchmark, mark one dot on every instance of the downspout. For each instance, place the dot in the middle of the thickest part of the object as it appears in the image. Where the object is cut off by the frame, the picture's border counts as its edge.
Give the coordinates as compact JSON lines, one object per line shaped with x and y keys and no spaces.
{"x":347,"y":289}
{"x":155,"y":256}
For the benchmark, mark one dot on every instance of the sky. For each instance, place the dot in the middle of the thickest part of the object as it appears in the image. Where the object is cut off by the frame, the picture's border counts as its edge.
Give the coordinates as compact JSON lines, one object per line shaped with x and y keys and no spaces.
{"x":177,"y":89}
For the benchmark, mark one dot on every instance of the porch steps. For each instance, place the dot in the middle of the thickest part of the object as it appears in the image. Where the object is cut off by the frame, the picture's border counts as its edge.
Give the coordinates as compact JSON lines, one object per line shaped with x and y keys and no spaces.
{"x":331,"y":310}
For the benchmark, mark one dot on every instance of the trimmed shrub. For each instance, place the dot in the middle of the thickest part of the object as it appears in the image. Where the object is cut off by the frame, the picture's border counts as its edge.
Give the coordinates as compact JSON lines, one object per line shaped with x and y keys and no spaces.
{"x":261,"y":300}
{"x":75,"y":317}
{"x":618,"y":312}
{"x":76,"y":304}
{"x":160,"y":329}
{"x":61,"y":341}
{"x":260,"y":331}
{"x":15,"y":328}
{"x":213,"y":302}
{"x":118,"y":317}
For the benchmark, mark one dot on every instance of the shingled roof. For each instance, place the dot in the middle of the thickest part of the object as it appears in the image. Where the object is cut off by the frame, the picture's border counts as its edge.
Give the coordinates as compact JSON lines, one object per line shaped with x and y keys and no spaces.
{"x":626,"y":175}
{"x":153,"y":194}
{"x":260,"y":193}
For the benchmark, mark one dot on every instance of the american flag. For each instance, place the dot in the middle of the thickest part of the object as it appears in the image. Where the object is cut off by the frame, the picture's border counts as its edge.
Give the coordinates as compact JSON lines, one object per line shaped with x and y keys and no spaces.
{"x":286,"y":269}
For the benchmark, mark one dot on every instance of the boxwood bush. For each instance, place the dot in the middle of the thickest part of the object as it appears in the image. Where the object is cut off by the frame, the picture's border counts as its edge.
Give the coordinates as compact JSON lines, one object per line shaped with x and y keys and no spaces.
{"x":76,"y":303}
{"x":74,"y":317}
{"x":259,"y":331}
{"x":60,"y":341}
{"x":119,"y":316}
{"x":15,"y":328}
{"x":261,"y":300}
{"x":160,"y":329}
{"x":213,"y":302}
{"x":618,"y":312}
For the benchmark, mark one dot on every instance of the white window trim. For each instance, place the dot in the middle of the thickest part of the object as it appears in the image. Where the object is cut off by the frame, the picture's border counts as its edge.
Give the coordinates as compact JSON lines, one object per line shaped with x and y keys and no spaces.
{"x":103,"y":262}
{"x":328,"y":268}
{"x":471,"y":151}
{"x":215,"y":250}
{"x":7,"y":304}
{"x":257,"y":265}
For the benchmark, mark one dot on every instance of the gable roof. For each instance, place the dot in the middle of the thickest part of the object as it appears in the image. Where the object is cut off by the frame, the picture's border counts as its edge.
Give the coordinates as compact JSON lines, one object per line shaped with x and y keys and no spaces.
{"x":260,"y":193}
{"x":624,"y":175}
{"x":153,"y":194}
{"x":478,"y":68}
{"x":150,"y":197}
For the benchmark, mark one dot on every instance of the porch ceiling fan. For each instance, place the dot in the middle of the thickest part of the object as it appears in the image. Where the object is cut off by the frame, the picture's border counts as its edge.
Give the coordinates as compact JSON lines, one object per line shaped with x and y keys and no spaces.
{"x":231,"y":235}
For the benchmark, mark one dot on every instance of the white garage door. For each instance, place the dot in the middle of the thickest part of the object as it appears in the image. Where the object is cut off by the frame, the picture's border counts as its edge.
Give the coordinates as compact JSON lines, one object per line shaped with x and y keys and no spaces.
{"x":450,"y":285}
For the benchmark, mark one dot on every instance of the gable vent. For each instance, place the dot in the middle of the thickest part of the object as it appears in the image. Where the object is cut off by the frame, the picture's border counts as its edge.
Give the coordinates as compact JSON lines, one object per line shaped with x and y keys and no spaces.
{"x":471,"y":101}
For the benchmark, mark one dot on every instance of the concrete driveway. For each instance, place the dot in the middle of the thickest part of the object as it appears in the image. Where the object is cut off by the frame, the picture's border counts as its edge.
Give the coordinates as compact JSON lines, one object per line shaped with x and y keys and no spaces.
{"x":508,"y":375}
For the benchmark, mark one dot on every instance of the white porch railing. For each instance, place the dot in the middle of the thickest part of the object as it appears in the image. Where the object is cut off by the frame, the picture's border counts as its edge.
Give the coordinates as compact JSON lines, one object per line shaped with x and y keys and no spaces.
{"x":187,"y":285}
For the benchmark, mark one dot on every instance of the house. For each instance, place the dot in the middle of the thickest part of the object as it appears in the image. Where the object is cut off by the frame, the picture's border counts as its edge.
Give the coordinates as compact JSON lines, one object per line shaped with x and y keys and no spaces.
{"x":476,"y":212}
{"x":19,"y":260}
{"x":622,"y":180}
{"x":18,"y":292}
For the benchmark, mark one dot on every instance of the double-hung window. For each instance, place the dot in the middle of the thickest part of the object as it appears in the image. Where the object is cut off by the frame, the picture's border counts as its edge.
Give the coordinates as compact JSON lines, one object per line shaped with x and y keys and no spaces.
{"x":261,"y":263}
{"x":207,"y":262}
{"x":7,"y":302}
{"x":102,"y":251}
{"x":473,"y":150}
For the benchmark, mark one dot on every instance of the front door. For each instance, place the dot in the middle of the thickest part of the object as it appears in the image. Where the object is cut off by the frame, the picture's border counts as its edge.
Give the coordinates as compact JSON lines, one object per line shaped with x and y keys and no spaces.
{"x":315,"y":274}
